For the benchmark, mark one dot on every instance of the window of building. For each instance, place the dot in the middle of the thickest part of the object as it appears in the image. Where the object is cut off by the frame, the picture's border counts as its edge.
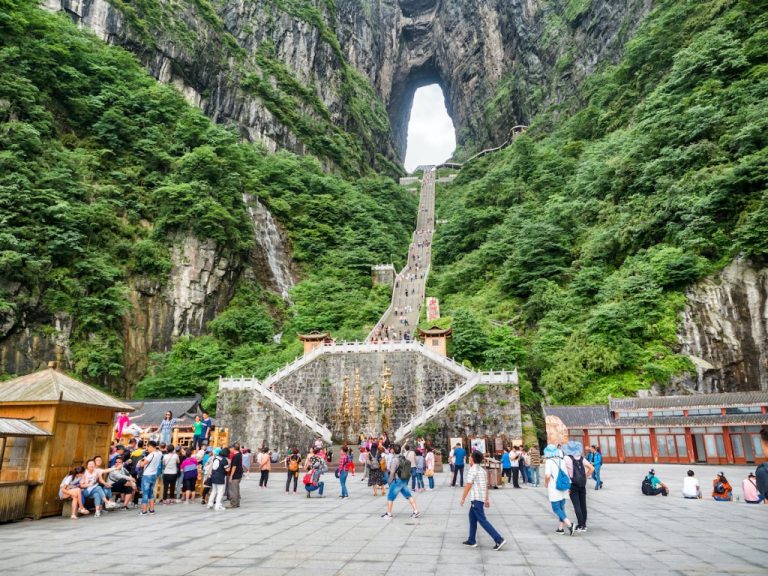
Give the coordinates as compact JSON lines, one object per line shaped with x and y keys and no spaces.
{"x":744,"y":410}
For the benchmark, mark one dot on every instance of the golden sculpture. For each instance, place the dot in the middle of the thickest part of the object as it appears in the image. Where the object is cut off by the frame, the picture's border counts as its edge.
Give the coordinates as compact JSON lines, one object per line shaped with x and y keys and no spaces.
{"x":386,"y":398}
{"x":344,"y":410}
{"x":357,"y":399}
{"x":373,"y":413}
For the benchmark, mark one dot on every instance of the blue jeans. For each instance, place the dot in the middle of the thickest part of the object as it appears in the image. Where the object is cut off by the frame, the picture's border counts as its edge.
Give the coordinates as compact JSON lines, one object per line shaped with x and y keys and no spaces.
{"x":419,"y":480}
{"x":596,"y":478}
{"x":343,"y":480}
{"x":312,"y":488}
{"x":477,"y":516}
{"x":398,"y":486}
{"x":97,"y":493}
{"x":559,"y":509}
{"x":533,"y":472}
{"x":148,"y":488}
{"x":431,"y":480}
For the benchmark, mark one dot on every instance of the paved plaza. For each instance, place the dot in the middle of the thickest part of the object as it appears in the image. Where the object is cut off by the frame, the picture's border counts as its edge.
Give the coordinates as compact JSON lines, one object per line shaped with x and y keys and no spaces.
{"x":273,"y":534}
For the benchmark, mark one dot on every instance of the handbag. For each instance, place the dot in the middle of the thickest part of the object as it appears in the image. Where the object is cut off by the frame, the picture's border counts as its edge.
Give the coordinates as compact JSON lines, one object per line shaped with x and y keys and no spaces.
{"x":429,"y":473}
{"x":307,"y":478}
{"x":563,"y":482}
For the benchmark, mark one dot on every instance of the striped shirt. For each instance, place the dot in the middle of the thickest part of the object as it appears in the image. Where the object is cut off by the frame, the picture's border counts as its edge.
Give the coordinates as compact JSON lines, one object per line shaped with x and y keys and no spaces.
{"x":478,"y":477}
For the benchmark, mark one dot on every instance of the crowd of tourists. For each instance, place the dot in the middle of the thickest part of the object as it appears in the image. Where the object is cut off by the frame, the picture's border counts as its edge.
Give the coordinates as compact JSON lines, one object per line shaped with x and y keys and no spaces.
{"x":136,"y":473}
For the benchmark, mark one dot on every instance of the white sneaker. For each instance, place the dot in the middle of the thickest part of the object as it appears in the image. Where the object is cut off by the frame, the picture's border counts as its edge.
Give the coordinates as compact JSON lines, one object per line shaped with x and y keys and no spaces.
{"x":220,"y":508}
{"x":98,"y":513}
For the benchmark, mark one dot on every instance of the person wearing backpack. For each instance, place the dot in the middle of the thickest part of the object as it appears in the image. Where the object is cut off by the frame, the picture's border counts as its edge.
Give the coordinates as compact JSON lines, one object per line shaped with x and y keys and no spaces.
{"x":722,"y":491}
{"x":652,"y":486}
{"x":399,"y":475}
{"x":557,"y":483}
{"x":292,"y":464}
{"x":375,"y":470}
{"x":579,"y":469}
{"x":219,"y":470}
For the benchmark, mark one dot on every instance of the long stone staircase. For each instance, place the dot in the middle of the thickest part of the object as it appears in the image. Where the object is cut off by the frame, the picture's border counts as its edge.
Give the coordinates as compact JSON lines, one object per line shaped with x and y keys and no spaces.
{"x":400,"y":319}
{"x":393,"y":334}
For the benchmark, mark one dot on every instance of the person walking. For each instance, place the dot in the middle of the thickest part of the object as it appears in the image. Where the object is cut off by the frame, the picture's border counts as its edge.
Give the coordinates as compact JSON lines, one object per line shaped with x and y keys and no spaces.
{"x":535,"y":456}
{"x":479,"y":499}
{"x":429,"y":462}
{"x":399,"y":475}
{"x":459,"y":457}
{"x":265,"y":465}
{"x":597,"y":462}
{"x":342,"y":472}
{"x":506,"y":466}
{"x":235,"y":476}
{"x":292,"y":464}
{"x":219,"y":470}
{"x":247,"y":460}
{"x":557,"y":489}
{"x":167,"y":424}
{"x":579,"y":469}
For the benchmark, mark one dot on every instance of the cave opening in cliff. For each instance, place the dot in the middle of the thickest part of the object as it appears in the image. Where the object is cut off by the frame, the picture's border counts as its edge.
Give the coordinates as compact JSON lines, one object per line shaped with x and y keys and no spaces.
{"x":431,"y":135}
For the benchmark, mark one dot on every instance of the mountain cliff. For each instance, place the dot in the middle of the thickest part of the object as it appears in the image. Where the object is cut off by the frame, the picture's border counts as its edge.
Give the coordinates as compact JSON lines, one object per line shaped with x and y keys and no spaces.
{"x":336,"y":79}
{"x":622,"y":249}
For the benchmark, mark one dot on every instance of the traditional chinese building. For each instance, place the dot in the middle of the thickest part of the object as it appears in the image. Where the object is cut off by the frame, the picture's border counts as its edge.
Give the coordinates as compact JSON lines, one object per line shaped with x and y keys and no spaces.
{"x":730,"y":428}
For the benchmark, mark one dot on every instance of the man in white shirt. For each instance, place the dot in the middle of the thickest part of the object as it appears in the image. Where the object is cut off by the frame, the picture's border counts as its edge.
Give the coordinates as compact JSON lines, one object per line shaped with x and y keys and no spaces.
{"x":691,"y":487}
{"x":477,"y":488}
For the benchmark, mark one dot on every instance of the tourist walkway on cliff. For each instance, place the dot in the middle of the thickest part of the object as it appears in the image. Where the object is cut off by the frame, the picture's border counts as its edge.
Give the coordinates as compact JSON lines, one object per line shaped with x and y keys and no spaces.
{"x":400,"y":320}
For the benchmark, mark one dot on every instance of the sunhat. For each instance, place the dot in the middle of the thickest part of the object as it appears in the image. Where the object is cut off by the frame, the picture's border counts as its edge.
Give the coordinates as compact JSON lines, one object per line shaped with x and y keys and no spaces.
{"x":551,"y":451}
{"x":573,"y":448}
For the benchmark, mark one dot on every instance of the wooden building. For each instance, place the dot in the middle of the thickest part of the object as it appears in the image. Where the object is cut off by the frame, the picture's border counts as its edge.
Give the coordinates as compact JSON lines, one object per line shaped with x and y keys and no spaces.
{"x":728,"y":428}
{"x":80,"y":419}
{"x":313,"y":340}
{"x":436,"y":338}
{"x":16,"y":438}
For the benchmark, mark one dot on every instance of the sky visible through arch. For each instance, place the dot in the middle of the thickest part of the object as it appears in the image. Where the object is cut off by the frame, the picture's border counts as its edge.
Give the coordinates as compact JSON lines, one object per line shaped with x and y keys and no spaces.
{"x":431,"y":136}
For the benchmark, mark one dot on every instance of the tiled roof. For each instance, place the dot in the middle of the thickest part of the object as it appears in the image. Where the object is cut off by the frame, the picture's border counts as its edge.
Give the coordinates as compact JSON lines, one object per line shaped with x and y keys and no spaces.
{"x":150,"y":412}
{"x":694,"y":401}
{"x":53,"y":386}
{"x":715,"y":420}
{"x":581,"y":416}
{"x":19,"y":427}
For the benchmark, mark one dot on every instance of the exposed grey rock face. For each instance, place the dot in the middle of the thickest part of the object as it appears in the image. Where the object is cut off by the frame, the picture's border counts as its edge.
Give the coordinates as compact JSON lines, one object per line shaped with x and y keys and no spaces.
{"x":725,"y":330}
{"x":498,"y":61}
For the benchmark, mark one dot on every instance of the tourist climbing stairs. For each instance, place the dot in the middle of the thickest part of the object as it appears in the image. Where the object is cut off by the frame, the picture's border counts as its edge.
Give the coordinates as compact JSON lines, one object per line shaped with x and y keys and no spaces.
{"x":400,"y":319}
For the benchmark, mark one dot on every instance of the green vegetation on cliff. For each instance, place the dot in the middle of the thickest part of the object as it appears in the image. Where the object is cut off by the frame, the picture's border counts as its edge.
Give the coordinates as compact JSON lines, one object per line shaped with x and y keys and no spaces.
{"x":102,"y":169}
{"x":568,"y":253}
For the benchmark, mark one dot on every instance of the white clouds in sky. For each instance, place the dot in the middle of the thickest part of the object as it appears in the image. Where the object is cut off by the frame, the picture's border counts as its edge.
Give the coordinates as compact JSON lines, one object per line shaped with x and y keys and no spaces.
{"x":431,"y":137}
